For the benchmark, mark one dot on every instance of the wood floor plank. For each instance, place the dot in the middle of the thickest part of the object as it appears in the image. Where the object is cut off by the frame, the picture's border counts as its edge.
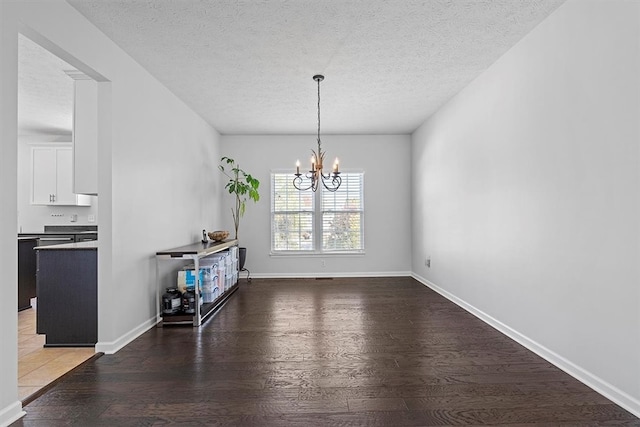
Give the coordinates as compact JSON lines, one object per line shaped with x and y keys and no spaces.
{"x":342,"y":352}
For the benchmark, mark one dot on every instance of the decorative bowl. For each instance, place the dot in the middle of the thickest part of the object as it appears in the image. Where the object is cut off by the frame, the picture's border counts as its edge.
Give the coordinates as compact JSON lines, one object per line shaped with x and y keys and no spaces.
{"x":218,"y":236}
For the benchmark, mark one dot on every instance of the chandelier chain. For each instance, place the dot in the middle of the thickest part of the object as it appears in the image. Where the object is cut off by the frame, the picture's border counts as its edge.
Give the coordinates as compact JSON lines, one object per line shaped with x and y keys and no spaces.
{"x":318,"y":116}
{"x":331,"y":180}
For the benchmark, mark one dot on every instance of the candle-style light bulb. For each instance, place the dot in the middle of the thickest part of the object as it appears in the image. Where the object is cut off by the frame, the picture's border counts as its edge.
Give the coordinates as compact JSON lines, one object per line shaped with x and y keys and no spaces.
{"x":336,"y":165}
{"x":298,"y":166}
{"x":313,"y":163}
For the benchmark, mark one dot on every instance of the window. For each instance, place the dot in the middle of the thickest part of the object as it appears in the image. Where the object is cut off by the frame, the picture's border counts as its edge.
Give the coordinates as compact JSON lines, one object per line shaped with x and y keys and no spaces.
{"x":292,"y":214}
{"x":320,"y":222}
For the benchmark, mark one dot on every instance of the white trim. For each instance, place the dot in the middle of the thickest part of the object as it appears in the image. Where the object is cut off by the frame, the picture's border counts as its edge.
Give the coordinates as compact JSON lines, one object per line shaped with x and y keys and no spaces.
{"x":112,"y":347}
{"x":314,"y":254}
{"x":609,"y":391}
{"x":317,"y":213}
{"x":11,"y":414}
{"x":324,"y":274}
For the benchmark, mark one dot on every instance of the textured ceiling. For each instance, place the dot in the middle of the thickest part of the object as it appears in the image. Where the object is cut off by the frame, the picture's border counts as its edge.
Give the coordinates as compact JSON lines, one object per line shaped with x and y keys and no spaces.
{"x":247,"y":66}
{"x":45,"y":92}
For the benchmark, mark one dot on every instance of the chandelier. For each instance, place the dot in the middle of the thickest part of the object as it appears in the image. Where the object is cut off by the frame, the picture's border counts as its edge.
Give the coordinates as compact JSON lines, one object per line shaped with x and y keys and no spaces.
{"x":311,"y":180}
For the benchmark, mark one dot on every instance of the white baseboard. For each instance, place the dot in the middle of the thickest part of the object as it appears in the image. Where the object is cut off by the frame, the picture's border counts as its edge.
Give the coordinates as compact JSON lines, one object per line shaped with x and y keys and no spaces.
{"x":326,"y":275}
{"x":609,"y":391}
{"x":113,"y":346}
{"x":11,"y":413}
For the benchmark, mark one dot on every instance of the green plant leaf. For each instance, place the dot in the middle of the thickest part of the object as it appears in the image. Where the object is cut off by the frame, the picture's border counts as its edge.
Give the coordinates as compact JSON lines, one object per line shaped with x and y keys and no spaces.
{"x":242,"y":184}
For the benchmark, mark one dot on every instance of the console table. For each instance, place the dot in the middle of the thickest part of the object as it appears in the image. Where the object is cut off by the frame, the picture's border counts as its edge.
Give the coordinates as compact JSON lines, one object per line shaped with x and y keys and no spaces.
{"x":195,"y":252}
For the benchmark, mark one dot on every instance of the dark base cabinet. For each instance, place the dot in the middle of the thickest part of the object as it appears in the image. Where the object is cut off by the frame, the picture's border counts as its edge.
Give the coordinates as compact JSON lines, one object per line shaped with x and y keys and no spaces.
{"x":26,"y":272}
{"x":67,"y":287}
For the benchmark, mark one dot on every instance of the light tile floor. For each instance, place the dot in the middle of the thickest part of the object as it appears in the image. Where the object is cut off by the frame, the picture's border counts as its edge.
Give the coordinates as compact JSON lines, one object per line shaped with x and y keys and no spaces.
{"x":39,"y":366}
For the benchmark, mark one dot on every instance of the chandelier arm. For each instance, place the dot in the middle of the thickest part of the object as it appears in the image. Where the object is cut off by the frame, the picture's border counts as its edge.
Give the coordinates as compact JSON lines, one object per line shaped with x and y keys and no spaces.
{"x":297,"y":183}
{"x":335,"y":175}
{"x":335,"y":182}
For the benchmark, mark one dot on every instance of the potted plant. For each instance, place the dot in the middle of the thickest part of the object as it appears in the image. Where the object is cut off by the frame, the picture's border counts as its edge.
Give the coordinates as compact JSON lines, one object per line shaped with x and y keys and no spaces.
{"x":243,"y":186}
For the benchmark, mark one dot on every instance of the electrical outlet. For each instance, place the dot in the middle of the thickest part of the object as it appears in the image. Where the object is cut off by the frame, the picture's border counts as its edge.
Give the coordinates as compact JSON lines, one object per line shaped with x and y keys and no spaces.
{"x":427,"y":262}
{"x":323,"y":263}
{"x":91,"y":218}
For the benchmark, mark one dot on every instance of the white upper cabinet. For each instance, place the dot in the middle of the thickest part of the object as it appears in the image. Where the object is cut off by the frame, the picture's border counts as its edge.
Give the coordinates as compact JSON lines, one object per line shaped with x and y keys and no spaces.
{"x":85,"y":135}
{"x":52,"y":172}
{"x":43,"y":172}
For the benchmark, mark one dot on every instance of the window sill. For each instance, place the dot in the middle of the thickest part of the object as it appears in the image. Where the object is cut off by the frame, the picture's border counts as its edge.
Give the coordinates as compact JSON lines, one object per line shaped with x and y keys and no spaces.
{"x":311,"y":254}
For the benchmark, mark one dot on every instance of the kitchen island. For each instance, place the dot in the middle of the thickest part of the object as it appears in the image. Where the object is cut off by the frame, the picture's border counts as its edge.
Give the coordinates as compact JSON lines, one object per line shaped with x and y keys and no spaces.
{"x":52,"y":235}
{"x":67,"y":288}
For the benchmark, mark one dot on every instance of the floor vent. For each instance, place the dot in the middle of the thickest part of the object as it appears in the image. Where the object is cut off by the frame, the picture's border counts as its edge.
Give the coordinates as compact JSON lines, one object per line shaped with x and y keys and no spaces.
{"x":324,"y":278}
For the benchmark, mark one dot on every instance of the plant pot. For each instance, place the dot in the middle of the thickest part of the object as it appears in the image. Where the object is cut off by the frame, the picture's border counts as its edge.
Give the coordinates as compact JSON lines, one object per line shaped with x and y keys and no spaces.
{"x":242,"y":257}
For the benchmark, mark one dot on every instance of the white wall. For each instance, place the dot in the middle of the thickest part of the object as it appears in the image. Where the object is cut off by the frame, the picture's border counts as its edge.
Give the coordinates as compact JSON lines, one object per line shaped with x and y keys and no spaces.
{"x":526,"y":189}
{"x":157,"y":180}
{"x":385,"y":161}
{"x":33,"y":218}
{"x":10,"y":406}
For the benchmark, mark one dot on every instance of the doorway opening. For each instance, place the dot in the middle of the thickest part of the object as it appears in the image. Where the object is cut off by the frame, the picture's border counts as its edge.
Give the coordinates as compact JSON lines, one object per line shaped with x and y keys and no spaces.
{"x":46,"y":154}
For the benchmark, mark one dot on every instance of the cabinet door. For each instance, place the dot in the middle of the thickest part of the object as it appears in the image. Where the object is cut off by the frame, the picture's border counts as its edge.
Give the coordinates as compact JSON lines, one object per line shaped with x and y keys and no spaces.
{"x":43,"y":169}
{"x":64,"y":177}
{"x":52,"y":177}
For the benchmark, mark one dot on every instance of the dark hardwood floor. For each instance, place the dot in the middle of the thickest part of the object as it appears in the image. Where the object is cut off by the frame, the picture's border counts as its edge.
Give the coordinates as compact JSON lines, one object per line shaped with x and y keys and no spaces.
{"x":346,"y":352}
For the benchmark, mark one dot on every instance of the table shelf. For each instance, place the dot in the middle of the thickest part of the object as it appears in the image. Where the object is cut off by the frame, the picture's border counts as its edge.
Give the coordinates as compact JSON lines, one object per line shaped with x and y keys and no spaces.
{"x":195,"y":252}
{"x":206,"y":310}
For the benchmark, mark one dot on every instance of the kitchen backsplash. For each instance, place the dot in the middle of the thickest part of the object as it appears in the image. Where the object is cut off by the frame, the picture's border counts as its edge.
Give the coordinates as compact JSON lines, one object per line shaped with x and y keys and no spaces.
{"x":33,"y":218}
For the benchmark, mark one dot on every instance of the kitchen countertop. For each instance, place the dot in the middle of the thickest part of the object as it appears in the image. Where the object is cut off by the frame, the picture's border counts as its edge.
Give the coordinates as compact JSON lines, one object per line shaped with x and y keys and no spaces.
{"x":91,"y":245}
{"x":54,"y":233}
{"x":71,"y":228}
{"x":62,"y":230}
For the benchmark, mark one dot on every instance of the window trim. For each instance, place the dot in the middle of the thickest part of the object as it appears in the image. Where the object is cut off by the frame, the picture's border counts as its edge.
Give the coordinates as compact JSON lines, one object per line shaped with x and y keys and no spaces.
{"x":317,"y":219}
